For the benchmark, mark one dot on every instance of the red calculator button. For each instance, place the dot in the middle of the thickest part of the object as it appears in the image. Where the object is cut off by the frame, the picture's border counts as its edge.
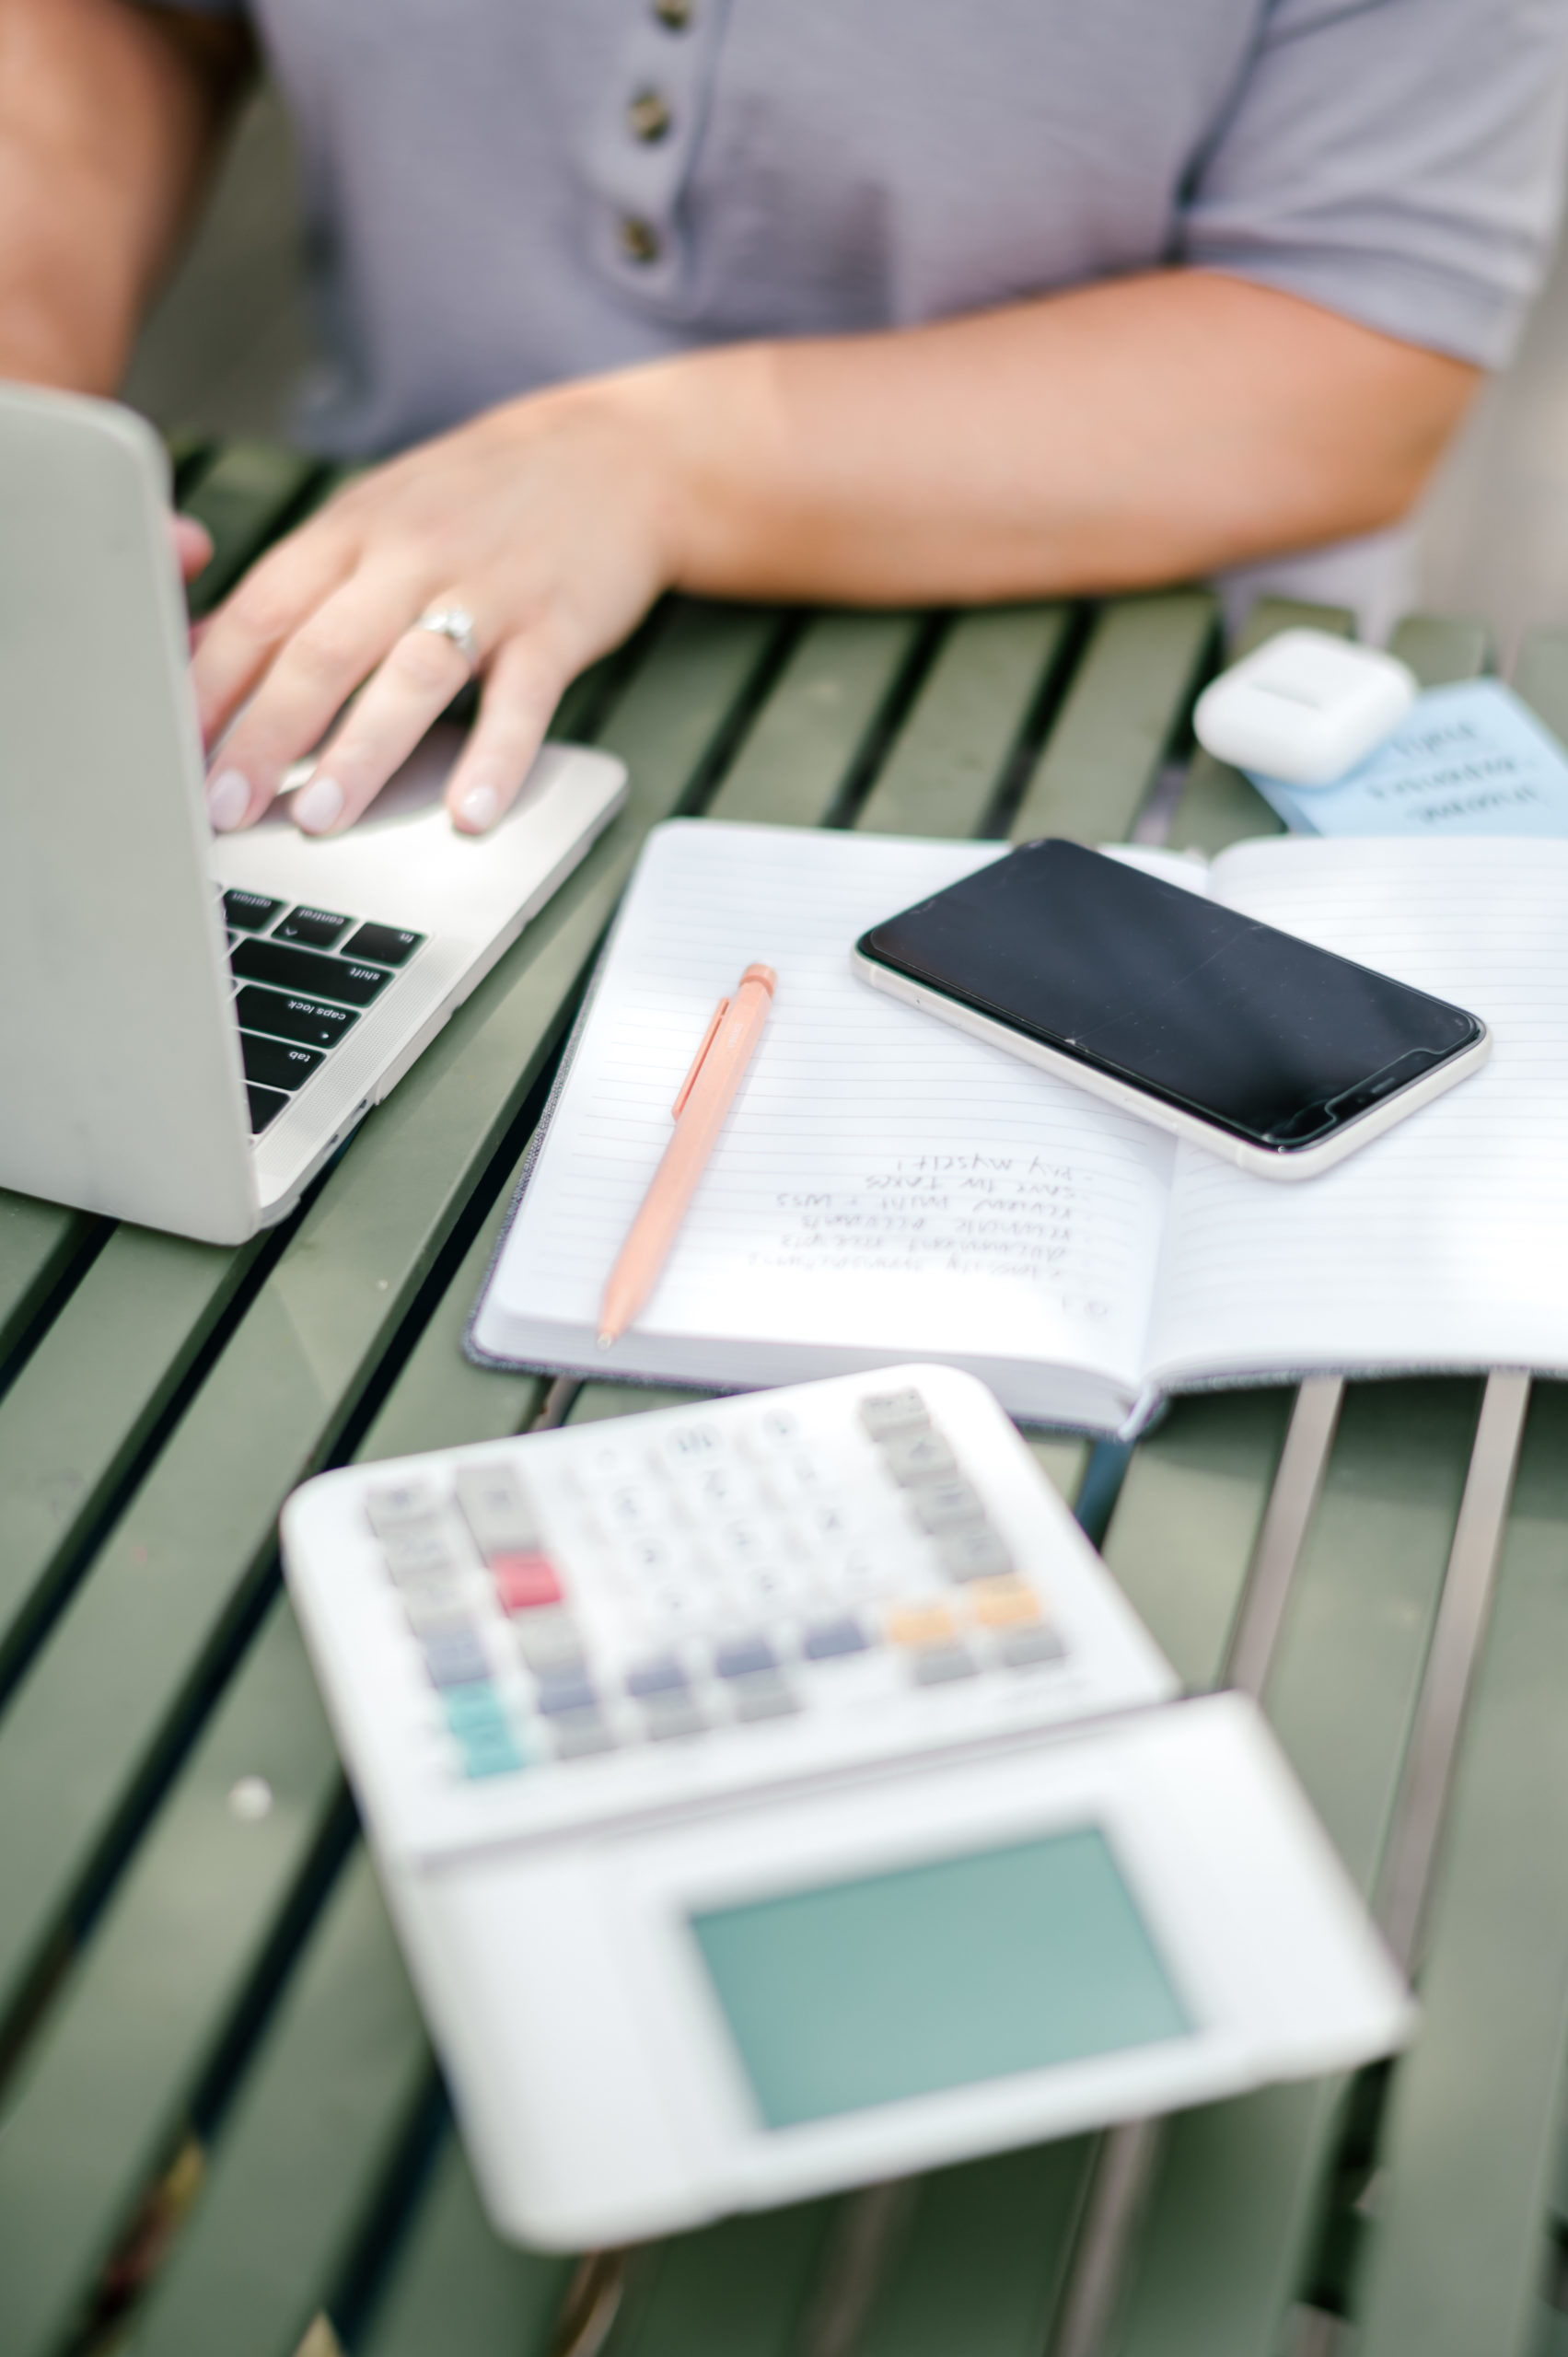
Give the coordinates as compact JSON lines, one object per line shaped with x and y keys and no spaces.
{"x":522,"y":1581}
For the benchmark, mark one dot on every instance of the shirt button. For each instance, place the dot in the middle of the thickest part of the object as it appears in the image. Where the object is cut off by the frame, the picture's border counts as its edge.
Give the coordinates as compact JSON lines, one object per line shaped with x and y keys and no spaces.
{"x":649,"y":115}
{"x":674,"y":15}
{"x":639,"y":238}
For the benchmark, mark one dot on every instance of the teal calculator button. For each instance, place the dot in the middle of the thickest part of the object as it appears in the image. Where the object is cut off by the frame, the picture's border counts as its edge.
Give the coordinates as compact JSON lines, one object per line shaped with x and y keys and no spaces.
{"x":476,"y":1705}
{"x":490,"y":1751}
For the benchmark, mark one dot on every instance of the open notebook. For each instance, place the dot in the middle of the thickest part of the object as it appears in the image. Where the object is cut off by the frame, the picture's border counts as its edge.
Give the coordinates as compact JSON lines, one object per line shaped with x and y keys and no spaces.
{"x":888,"y":1189}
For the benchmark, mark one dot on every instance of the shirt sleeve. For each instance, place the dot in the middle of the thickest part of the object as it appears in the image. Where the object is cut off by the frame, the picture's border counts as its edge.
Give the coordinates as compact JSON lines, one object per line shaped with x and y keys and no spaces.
{"x":1399,"y":161}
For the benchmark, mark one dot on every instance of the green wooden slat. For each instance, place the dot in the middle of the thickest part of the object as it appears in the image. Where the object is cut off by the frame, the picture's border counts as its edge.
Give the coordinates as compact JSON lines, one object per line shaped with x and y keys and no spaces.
{"x":978,"y":2270}
{"x":249,"y":492}
{"x":1441,"y":648}
{"x":594,"y":1401}
{"x":1062,"y":1457}
{"x":91,"y":1392}
{"x":803,"y":748}
{"x":1217,"y":804}
{"x":100,"y":2095}
{"x":1541,"y":676}
{"x":1350,"y":1652}
{"x":1186,"y":1520}
{"x":341,"y":2072}
{"x":1549,"y":2337}
{"x":1228,"y":2224}
{"x":1236,"y":2205}
{"x":951,"y":754}
{"x":190,"y":451}
{"x":1129,"y":699}
{"x":454,"y":2288}
{"x":439,"y":1398}
{"x":1457,"y":2253}
{"x":39,"y":1244}
{"x":739,"y":2289}
{"x":131,"y":1645}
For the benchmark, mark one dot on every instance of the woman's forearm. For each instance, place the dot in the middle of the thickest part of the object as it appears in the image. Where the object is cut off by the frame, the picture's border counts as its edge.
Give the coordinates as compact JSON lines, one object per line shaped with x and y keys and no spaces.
{"x":1122,"y":435}
{"x":108,"y":116}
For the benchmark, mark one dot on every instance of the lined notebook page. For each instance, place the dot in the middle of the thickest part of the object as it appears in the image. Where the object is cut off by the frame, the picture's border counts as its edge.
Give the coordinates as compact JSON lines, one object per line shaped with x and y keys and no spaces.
{"x":882,"y":1185}
{"x":1446,"y":1242}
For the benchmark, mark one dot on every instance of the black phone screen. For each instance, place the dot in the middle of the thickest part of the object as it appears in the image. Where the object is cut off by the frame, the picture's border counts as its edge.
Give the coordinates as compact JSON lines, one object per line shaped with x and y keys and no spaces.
{"x":1248,"y":1027}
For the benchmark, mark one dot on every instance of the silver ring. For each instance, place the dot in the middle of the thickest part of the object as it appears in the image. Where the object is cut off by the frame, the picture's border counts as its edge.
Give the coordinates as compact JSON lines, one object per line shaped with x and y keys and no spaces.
{"x":454,"y":623}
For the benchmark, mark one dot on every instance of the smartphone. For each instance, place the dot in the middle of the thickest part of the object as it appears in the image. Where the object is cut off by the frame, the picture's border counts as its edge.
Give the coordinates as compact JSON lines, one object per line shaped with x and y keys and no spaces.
{"x":1271,"y":1051}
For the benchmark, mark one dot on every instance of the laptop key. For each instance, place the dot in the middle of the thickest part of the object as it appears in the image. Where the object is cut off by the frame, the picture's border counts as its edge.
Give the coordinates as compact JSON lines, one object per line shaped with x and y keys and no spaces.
{"x":310,"y":1021}
{"x":309,"y":973}
{"x":266,"y":1103}
{"x":249,"y":911}
{"x":317,"y":928}
{"x":383,"y":944}
{"x":275,"y":1064}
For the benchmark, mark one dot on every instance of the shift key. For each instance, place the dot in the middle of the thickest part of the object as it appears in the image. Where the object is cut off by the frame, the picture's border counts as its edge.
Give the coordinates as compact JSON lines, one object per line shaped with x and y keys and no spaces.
{"x":308,"y":1021}
{"x":307,"y":972}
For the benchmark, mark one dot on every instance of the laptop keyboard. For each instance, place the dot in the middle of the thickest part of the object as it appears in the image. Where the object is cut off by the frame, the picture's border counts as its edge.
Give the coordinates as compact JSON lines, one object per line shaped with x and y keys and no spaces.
{"x":303,"y":977}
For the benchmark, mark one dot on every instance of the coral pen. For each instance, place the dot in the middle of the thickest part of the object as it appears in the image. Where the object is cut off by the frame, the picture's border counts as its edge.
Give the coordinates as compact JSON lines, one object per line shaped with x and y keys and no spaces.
{"x":707,"y":1093}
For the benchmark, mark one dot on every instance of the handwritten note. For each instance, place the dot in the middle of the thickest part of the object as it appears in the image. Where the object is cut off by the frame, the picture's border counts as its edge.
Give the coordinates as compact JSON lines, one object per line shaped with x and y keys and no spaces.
{"x":1470,"y":759}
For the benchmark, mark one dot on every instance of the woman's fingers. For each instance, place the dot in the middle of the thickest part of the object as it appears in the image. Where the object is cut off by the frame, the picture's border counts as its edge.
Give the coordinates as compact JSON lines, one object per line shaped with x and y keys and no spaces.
{"x":310,"y":679}
{"x":412,"y":687}
{"x":522,"y":688}
{"x":272,"y":602}
{"x":192,"y":546}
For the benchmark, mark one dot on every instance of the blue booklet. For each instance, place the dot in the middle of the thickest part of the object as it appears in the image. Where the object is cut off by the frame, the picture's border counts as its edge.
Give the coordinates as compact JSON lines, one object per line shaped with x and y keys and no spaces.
{"x":1469,"y":760}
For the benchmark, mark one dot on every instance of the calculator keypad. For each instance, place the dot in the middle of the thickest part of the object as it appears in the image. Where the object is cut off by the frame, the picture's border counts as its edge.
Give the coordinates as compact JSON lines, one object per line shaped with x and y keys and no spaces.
{"x":719,"y":1572}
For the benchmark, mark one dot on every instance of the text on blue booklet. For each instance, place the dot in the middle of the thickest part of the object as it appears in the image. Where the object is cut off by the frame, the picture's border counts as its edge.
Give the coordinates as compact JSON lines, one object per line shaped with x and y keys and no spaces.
{"x":1470,"y":759}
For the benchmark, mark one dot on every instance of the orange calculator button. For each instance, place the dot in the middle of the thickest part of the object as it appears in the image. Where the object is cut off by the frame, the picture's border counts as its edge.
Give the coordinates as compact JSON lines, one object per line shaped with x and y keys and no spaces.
{"x":1003,"y":1604}
{"x":916,"y":1625}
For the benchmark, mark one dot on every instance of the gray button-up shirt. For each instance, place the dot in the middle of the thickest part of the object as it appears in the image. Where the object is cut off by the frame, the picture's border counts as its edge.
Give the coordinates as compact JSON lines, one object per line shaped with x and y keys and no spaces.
{"x":503,"y":192}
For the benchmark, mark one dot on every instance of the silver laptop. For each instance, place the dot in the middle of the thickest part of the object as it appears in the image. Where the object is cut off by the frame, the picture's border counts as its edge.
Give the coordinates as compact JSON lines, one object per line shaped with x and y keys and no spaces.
{"x":190,"y":1027}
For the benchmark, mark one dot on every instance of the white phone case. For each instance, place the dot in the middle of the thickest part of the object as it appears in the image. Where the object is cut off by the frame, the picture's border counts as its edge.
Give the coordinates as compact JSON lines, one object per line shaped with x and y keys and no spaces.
{"x":1264,"y":1162}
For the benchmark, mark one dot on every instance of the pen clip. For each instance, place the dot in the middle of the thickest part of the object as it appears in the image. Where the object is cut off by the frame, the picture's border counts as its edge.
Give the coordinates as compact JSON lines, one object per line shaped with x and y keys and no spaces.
{"x":698,"y":1060}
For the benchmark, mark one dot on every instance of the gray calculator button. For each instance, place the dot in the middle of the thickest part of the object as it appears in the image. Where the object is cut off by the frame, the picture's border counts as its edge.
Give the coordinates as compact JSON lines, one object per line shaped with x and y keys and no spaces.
{"x":669,"y":1716}
{"x":581,"y":1735}
{"x":763,"y":1697}
{"x":918,"y":1457}
{"x":828,"y":1639}
{"x":496,"y":1509}
{"x":948,"y":1506}
{"x":418,"y":1551}
{"x":1019,"y":1648}
{"x":975,"y":1553}
{"x":563,"y":1692}
{"x":745,"y":1657}
{"x":660,"y":1674}
{"x":547,"y":1641}
{"x":392,"y":1505}
{"x":886,"y":1412}
{"x":939,"y":1663}
{"x":434,"y":1612}
{"x":455,"y":1658}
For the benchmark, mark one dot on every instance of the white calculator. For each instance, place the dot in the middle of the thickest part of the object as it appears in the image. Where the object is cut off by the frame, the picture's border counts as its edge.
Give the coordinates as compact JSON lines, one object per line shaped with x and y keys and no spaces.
{"x":777,"y":1794}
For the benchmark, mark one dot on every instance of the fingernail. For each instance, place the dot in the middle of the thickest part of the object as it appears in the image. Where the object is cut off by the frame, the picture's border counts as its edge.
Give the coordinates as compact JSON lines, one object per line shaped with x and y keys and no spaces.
{"x":228,"y":798}
{"x":478,"y":806}
{"x":319,"y":805}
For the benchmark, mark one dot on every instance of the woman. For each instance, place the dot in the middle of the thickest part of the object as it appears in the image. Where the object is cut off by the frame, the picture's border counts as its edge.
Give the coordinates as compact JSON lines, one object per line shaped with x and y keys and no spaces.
{"x":859,"y":300}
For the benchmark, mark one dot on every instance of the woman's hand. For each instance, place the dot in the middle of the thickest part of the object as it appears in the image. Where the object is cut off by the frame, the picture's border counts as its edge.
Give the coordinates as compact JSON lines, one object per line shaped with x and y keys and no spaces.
{"x":551,"y":521}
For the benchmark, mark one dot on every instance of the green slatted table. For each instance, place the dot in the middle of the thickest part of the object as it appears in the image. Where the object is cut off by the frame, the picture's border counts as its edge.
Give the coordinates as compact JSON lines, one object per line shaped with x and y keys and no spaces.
{"x":223,"y":2131}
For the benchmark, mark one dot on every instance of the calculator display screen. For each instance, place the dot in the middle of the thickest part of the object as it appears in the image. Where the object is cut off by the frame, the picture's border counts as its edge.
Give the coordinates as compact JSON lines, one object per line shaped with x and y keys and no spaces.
{"x":937,"y":1976}
{"x":1253,"y":1029}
